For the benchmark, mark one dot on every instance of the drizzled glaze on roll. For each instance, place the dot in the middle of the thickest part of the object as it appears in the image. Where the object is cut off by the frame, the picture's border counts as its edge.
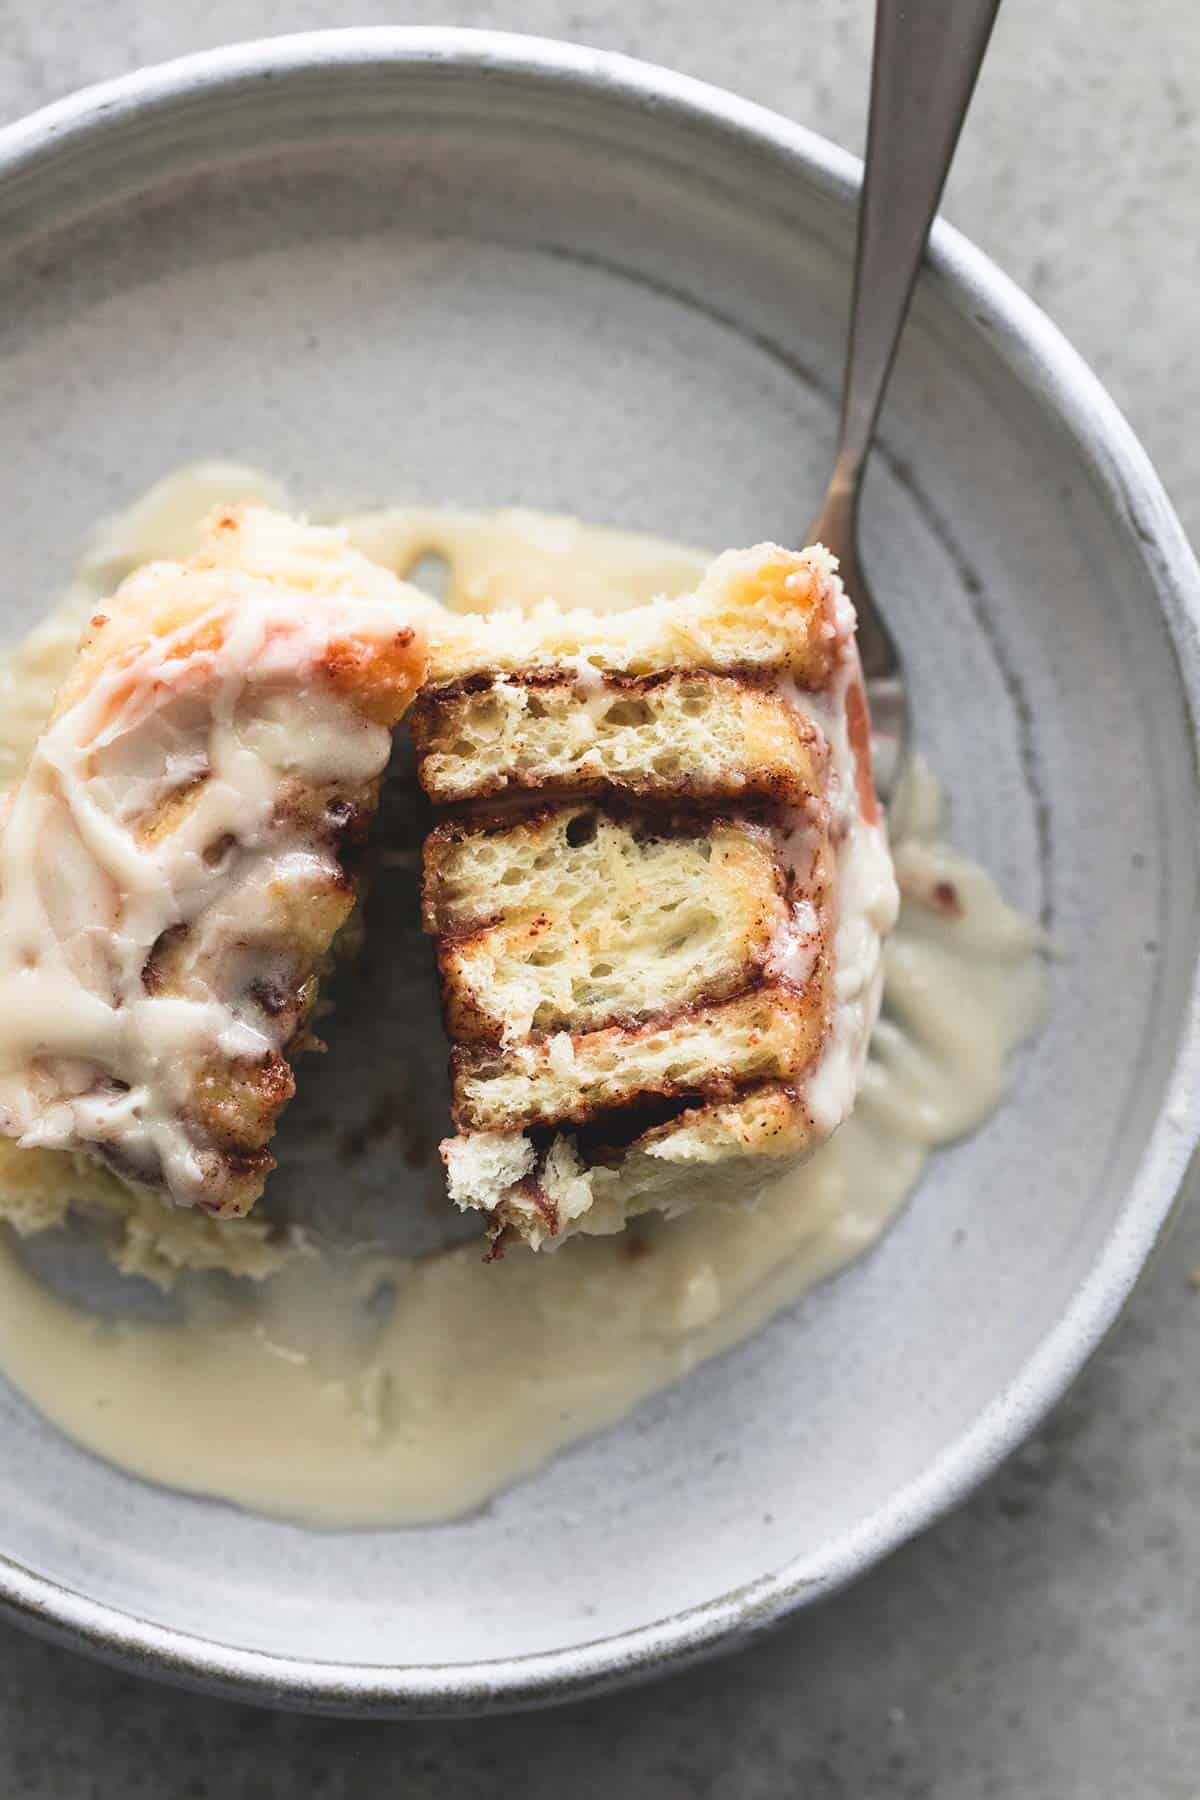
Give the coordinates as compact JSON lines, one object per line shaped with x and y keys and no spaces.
{"x":173,"y":865}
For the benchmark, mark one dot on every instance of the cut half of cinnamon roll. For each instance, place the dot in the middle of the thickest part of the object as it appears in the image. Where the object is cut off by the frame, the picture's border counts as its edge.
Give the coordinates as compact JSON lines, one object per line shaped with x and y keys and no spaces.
{"x":658,"y":888}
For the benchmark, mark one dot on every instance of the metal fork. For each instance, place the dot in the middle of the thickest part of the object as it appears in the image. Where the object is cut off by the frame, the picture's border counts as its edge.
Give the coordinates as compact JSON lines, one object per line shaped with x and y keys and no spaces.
{"x":926,"y":58}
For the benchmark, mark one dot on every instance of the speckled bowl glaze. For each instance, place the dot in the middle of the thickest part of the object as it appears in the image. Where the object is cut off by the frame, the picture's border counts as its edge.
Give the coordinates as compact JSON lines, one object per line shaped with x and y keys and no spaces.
{"x":446,"y":264}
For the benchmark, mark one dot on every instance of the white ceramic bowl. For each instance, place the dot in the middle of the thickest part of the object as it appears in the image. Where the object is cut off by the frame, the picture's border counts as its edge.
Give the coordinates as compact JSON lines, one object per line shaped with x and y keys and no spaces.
{"x":447,"y":264}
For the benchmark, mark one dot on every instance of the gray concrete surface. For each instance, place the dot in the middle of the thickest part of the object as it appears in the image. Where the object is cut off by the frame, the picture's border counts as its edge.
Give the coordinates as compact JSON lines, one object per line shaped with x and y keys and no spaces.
{"x":1042,"y":1642}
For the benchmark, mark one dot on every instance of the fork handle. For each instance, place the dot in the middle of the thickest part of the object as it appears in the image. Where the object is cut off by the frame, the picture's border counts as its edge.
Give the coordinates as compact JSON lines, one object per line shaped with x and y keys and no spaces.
{"x":927,"y":56}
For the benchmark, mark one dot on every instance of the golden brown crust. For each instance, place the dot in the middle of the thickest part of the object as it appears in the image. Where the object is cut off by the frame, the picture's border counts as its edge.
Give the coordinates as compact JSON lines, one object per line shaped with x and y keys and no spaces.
{"x":380,"y":677}
{"x":765,"y":607}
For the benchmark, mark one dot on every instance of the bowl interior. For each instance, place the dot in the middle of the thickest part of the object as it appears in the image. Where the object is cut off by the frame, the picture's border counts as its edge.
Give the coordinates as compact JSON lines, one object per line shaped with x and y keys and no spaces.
{"x":469,"y":283}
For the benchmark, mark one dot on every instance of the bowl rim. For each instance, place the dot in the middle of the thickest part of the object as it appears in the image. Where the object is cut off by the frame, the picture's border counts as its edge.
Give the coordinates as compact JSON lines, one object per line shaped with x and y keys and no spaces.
{"x":1042,"y":359}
